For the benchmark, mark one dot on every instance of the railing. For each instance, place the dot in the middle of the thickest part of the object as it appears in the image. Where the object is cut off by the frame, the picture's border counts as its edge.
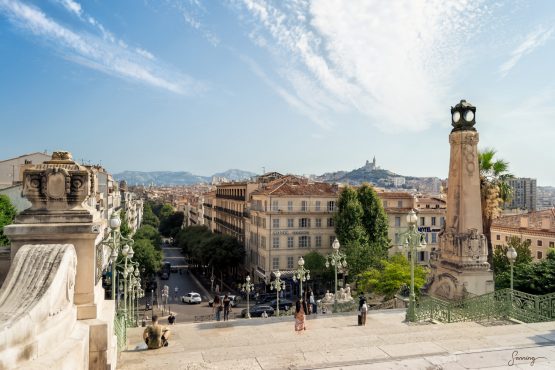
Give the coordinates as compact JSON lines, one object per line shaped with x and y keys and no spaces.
{"x":502,"y":303}
{"x":120,"y":331}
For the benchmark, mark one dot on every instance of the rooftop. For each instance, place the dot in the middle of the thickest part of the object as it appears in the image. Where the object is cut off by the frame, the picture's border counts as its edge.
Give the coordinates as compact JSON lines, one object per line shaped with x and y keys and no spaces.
{"x":536,"y":220}
{"x":334,"y":342}
{"x":293,"y":185}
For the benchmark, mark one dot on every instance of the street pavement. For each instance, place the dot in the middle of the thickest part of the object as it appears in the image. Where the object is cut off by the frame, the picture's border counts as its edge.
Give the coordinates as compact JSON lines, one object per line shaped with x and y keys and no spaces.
{"x":336,"y":342}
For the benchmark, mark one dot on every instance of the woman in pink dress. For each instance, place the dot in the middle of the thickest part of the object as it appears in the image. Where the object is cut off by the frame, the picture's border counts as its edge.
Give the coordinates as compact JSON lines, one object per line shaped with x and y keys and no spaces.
{"x":299,"y":317}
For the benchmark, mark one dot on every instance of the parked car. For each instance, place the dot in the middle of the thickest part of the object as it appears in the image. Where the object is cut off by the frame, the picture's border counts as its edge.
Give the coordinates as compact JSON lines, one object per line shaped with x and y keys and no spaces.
{"x":265,"y":298}
{"x":191,"y":298}
{"x":258,"y":310}
{"x":284,"y":304}
{"x":234,"y":299}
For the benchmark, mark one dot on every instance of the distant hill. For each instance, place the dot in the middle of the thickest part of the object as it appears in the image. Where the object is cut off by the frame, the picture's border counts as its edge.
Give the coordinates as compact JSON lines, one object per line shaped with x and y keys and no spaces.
{"x":160,"y":178}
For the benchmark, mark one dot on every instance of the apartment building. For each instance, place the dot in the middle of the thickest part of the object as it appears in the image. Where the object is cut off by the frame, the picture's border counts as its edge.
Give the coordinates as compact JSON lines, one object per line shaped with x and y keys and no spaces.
{"x":209,"y":205}
{"x":288,"y":217}
{"x":524,"y":194}
{"x":431,"y":216}
{"x":538,"y":227}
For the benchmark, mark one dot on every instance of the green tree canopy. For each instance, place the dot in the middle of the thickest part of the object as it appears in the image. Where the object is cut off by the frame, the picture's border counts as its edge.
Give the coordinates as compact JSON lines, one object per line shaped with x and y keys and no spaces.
{"x":149,"y":218}
{"x":124,"y":229}
{"x":190,"y":238}
{"x":501,"y":262}
{"x":393,"y":274}
{"x":150,"y":233}
{"x":7,"y":216}
{"x":316,"y":263}
{"x":165,"y":212}
{"x":148,"y":257}
{"x":374,"y":221}
{"x":171,"y":225}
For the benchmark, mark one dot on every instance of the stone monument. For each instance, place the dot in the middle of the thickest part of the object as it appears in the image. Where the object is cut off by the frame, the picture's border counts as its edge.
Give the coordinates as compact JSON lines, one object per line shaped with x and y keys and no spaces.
{"x":460,"y":267}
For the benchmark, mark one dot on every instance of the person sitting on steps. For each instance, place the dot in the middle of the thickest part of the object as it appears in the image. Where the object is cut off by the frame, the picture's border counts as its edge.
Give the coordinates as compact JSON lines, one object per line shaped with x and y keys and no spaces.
{"x":156,"y":336}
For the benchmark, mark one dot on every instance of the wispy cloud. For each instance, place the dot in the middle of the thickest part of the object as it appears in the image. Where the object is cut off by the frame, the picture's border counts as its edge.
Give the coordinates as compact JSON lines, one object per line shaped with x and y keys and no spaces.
{"x":72,"y":6}
{"x":192,"y":12}
{"x":391,"y":61}
{"x":113,"y":58}
{"x":531,"y":42}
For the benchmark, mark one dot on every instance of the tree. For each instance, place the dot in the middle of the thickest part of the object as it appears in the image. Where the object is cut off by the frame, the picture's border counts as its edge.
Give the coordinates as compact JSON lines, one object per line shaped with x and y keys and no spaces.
{"x":150,"y":233}
{"x":124,"y":228}
{"x":393,"y":274}
{"x":501,"y":262}
{"x":375,"y":222}
{"x":316,"y":263}
{"x":170,"y":226}
{"x":351,"y":233}
{"x":7,"y":216}
{"x":165,"y":212}
{"x":149,"y":218}
{"x":147,"y":255}
{"x":494,"y":190}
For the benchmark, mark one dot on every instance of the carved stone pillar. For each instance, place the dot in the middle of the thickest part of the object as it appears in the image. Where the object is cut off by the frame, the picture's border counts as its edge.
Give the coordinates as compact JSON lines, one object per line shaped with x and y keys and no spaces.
{"x":461,"y":266}
{"x":57,"y":190}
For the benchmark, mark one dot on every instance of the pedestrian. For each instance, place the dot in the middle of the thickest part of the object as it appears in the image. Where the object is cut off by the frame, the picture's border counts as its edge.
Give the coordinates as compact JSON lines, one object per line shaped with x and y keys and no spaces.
{"x":313,"y":303}
{"x":156,"y":336}
{"x":171,"y":319}
{"x":299,"y":317}
{"x":361,"y":303}
{"x":227,"y":307}
{"x":364,"y":311}
{"x":217,"y":307}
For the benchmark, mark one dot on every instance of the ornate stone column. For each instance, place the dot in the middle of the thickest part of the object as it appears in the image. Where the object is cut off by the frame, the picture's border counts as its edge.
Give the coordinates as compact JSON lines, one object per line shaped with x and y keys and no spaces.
{"x":460,"y":267}
{"x":57,"y":190}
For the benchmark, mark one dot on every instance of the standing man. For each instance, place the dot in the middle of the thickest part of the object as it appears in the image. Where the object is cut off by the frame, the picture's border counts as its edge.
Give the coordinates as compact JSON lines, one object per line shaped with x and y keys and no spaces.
{"x":227,"y":307}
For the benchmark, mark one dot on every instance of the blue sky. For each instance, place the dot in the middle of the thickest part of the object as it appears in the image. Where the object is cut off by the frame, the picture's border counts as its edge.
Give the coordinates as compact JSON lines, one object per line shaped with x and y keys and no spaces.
{"x":293,"y":86}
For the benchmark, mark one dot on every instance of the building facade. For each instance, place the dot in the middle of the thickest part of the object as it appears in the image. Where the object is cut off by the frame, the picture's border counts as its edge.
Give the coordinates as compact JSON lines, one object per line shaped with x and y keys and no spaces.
{"x":538,"y":227}
{"x":524,"y":194}
{"x":288,"y":218}
{"x":11,"y":169}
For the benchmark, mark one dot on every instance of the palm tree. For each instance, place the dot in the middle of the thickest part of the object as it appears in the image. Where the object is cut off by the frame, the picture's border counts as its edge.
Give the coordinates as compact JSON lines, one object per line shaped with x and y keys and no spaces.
{"x":494,"y":189}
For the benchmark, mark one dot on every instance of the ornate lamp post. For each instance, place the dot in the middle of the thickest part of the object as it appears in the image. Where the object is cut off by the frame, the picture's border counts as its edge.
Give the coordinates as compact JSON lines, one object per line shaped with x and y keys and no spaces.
{"x":511,"y":256}
{"x":301,"y":274}
{"x":278,"y":285}
{"x":247,"y":287}
{"x":113,"y":241}
{"x":336,"y":259}
{"x":413,"y":241}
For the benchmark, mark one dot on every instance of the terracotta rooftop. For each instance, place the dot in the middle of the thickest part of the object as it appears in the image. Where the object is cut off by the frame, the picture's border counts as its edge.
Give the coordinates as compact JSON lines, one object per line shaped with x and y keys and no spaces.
{"x":292,"y":185}
{"x":538,"y":220}
{"x":394,"y":195}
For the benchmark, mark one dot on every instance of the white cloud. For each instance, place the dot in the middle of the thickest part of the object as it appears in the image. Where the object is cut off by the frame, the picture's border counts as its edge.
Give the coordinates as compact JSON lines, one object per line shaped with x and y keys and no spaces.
{"x":145,"y":53}
{"x":94,"y":52}
{"x":72,"y":6}
{"x":531,"y":42}
{"x":392,"y":61}
{"x":191,"y":12}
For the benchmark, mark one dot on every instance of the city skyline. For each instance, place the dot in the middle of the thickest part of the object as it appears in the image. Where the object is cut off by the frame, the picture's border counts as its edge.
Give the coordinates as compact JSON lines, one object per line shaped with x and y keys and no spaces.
{"x":295,"y":87}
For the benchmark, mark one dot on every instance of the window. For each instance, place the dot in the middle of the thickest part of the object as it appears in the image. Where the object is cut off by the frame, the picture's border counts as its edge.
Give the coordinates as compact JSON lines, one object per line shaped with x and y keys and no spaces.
{"x":263,"y":242}
{"x":290,"y":205}
{"x":332,"y":238}
{"x":275,"y":223}
{"x":498,"y":237}
{"x":397,"y":238}
{"x":422,"y":221}
{"x":397,"y":221}
{"x":275,"y":205}
{"x":331,"y":206}
{"x":399,"y":204}
{"x":275,"y":263}
{"x":317,"y":208}
{"x":289,"y":222}
{"x":539,"y":243}
{"x":289,"y":242}
{"x":421,"y":256}
{"x":330,"y":222}
{"x":539,"y":255}
{"x":433,"y":221}
{"x":275,"y":242}
{"x":263,"y":222}
{"x":385,"y":203}
{"x":304,"y":206}
{"x":426,"y":237}
{"x":304,"y":241}
{"x":442,"y":221}
{"x":318,"y":241}
{"x":304,"y":222}
{"x":318,"y":222}
{"x":290,"y":262}
{"x":434,"y":237}
{"x":551,"y":244}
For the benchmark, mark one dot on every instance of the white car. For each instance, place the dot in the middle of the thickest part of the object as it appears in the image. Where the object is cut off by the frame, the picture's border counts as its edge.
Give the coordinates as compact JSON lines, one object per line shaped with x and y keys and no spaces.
{"x":191,"y":298}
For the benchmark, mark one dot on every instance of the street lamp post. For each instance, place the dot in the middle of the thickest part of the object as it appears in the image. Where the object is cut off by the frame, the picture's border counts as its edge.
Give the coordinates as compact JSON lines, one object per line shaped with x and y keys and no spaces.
{"x":413,"y":241}
{"x":301,"y":274}
{"x":278,"y":285}
{"x":336,"y":259}
{"x":247,"y":287}
{"x":511,"y":256}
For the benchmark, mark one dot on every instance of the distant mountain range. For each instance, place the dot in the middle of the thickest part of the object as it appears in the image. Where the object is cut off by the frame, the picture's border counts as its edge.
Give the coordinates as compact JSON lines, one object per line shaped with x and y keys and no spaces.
{"x":159,"y":178}
{"x":370,"y":173}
